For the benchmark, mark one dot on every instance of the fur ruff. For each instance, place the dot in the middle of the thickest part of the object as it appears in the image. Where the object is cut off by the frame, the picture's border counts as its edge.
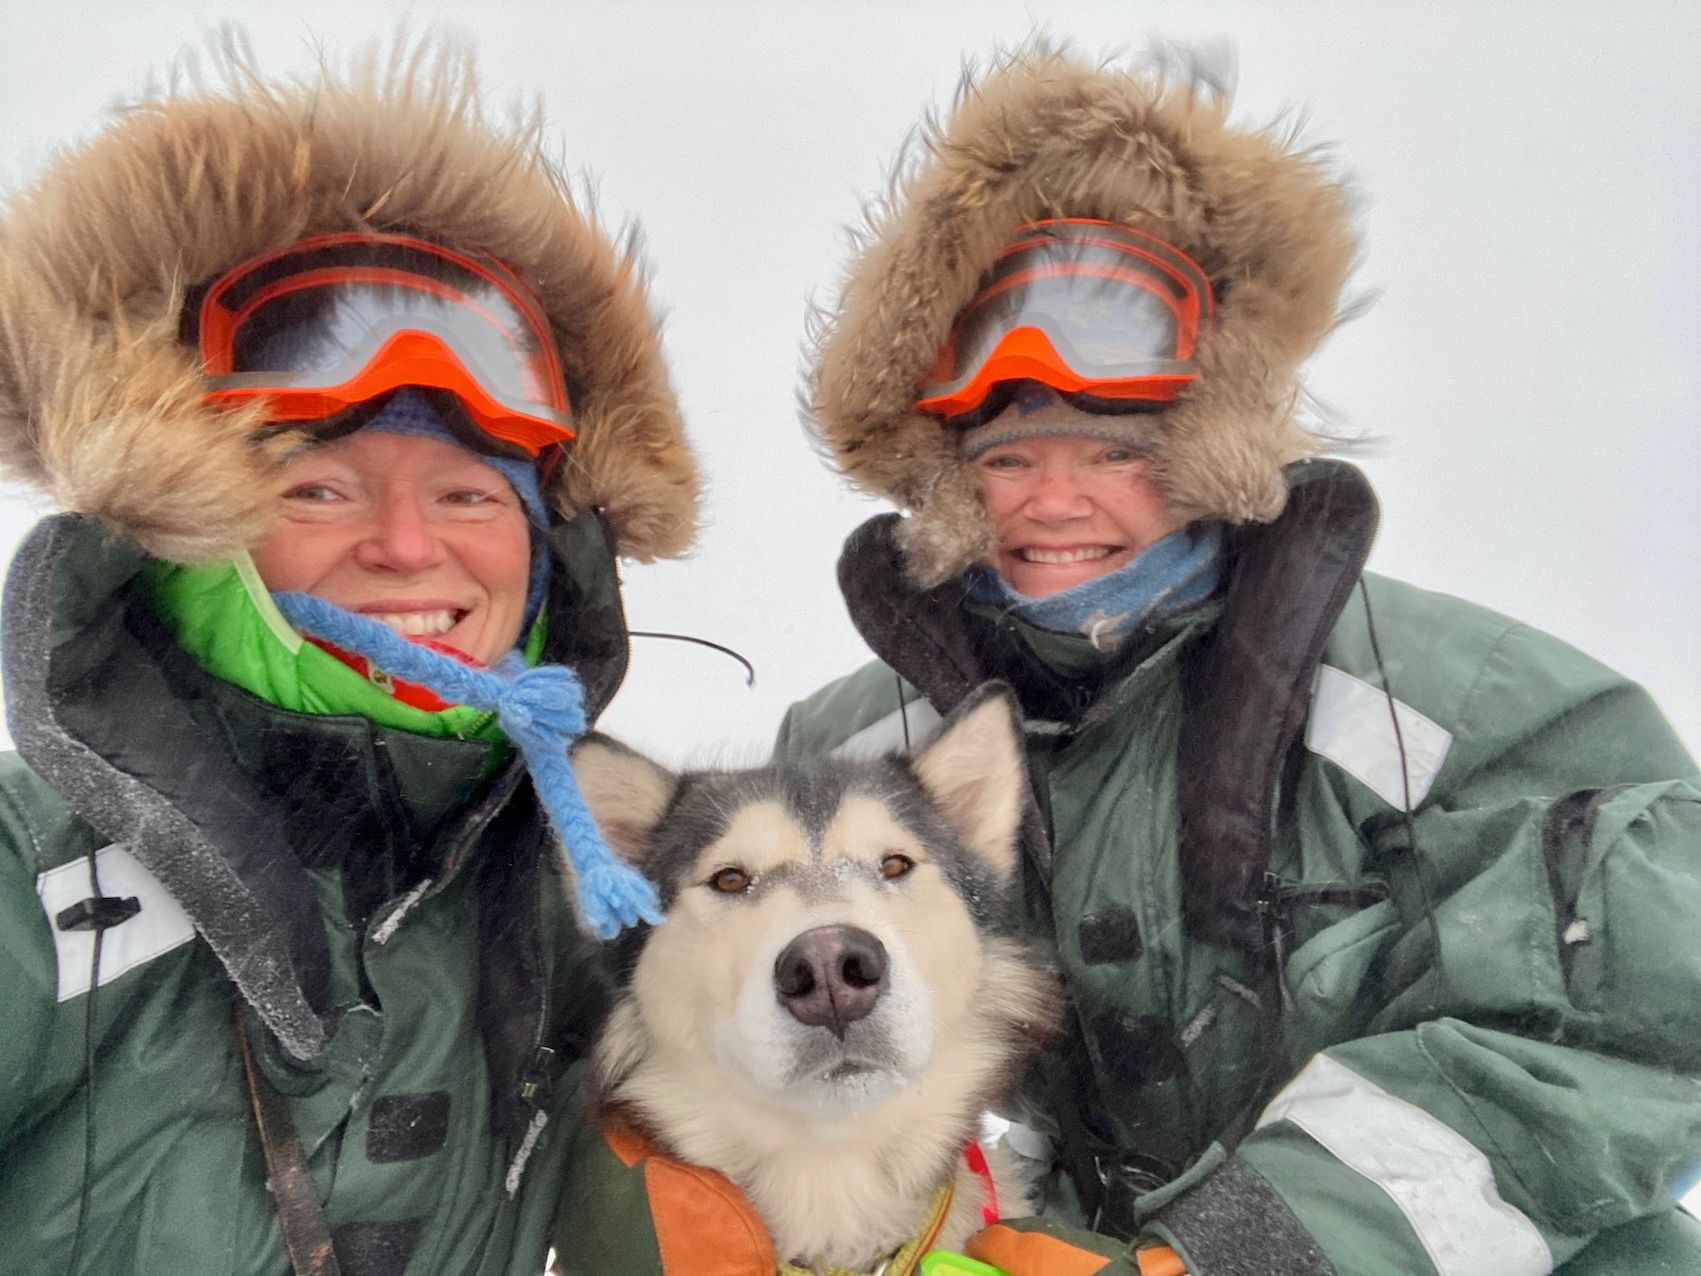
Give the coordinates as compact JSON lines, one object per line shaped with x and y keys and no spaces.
{"x":1047,"y":134}
{"x":100,"y":403}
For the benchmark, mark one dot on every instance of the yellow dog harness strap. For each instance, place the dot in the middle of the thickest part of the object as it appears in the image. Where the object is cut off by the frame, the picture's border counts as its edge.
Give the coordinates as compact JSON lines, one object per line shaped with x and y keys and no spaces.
{"x":904,"y":1262}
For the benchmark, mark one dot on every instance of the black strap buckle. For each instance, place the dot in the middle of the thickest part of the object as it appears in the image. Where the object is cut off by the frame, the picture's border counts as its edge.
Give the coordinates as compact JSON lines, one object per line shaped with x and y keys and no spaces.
{"x":98,"y":912}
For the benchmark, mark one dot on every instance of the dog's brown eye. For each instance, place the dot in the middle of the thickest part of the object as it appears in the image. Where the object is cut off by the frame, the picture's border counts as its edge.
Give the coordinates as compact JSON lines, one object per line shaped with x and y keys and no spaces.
{"x":730,"y":881}
{"x":895,"y":866}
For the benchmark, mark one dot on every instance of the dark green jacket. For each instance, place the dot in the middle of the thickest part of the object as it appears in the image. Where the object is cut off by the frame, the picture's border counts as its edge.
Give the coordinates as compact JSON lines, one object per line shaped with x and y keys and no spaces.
{"x":382,"y":911}
{"x":1463,"y":1040}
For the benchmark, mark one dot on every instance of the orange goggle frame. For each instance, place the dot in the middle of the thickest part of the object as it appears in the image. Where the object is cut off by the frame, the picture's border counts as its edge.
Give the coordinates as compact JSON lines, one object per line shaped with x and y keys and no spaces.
{"x":1086,"y":307}
{"x":337,"y":320}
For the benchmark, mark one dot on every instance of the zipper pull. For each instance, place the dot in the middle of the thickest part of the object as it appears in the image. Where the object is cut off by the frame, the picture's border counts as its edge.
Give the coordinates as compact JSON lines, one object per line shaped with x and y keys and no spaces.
{"x":1272,"y":908}
{"x":536,"y":1083}
{"x":538,"y":1079}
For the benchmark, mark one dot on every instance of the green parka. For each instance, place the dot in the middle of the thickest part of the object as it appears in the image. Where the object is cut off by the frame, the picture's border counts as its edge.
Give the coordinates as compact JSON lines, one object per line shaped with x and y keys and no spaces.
{"x":381,"y":911}
{"x":379,"y":907}
{"x":1314,"y":1033}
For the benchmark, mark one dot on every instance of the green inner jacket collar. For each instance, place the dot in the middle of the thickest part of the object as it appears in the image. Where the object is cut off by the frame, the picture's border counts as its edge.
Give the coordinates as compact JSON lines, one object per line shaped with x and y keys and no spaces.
{"x":224,"y":617}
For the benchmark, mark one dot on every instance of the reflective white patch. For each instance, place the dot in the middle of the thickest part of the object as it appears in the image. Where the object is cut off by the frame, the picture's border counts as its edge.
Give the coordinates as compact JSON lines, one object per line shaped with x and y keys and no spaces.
{"x":161,"y":925}
{"x":1441,"y":1182}
{"x":887,"y":735}
{"x":1350,"y":725}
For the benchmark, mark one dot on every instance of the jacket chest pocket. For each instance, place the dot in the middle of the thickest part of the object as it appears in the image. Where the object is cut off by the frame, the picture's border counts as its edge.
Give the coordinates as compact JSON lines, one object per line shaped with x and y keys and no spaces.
{"x":1625,"y":878}
{"x":1331,"y":979}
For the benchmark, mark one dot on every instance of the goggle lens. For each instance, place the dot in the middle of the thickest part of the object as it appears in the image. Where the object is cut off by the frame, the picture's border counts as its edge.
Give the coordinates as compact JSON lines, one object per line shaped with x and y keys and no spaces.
{"x":338,"y":320}
{"x":1084,"y":307}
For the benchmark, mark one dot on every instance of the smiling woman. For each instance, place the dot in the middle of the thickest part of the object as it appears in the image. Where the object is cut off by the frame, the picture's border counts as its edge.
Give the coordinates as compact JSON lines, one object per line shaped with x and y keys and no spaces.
{"x":1066,"y":504}
{"x":284,"y":849}
{"x":1276,"y":796}
{"x":417,"y":533}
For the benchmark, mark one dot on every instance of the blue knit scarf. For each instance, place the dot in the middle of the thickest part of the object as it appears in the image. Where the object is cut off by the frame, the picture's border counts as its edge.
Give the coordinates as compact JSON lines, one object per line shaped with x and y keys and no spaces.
{"x":1176,"y":572}
{"x":541,"y":710}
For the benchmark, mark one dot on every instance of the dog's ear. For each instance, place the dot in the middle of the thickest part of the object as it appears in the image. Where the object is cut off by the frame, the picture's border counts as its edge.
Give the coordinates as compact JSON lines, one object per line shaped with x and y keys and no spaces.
{"x":975,"y":773}
{"x":626,"y":792}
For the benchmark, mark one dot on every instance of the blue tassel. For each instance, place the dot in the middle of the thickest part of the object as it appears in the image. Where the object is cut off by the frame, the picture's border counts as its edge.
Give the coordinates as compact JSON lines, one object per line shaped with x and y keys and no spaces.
{"x":541,"y":710}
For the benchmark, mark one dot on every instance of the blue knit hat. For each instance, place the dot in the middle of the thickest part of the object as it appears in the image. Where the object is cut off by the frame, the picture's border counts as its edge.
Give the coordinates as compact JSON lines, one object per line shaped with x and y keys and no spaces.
{"x":408,"y":411}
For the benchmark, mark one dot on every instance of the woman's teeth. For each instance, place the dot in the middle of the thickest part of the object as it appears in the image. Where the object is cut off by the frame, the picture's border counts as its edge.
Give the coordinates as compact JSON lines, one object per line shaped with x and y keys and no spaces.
{"x":417,"y":624}
{"x":1086,"y":554}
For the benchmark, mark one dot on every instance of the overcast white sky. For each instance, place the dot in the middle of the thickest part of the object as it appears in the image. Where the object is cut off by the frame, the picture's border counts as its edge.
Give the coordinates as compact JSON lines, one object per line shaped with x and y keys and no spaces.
{"x":1531,"y":372}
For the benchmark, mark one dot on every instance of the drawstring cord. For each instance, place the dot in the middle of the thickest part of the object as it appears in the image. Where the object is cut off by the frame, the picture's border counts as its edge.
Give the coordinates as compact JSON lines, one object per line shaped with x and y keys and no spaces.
{"x":541,"y":710}
{"x":749,"y":669}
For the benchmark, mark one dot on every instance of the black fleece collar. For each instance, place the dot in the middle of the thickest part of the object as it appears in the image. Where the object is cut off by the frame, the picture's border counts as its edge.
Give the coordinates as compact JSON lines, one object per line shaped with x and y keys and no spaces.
{"x":1246,"y":692}
{"x":1246,"y":683}
{"x":68,"y":646}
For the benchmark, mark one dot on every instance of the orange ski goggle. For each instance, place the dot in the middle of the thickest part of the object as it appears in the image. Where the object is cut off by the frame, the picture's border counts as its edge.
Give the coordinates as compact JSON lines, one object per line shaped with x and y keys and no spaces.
{"x":337,"y":320}
{"x":1090,"y":308}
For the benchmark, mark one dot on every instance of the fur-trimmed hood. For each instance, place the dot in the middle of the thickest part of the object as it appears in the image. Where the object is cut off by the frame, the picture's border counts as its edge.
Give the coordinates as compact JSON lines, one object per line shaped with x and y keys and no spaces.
{"x":1045,"y":133}
{"x":100,"y":403}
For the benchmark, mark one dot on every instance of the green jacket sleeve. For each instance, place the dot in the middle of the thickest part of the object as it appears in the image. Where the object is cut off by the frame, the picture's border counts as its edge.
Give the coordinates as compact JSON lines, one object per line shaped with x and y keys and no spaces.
{"x":37,"y":833}
{"x":27,"y":1007}
{"x":872,"y":711}
{"x":1528,"y":1080}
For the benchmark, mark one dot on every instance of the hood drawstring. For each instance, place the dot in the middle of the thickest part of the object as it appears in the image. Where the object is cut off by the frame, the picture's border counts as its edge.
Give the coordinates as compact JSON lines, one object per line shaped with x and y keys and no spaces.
{"x":749,"y":669}
{"x":541,"y":710}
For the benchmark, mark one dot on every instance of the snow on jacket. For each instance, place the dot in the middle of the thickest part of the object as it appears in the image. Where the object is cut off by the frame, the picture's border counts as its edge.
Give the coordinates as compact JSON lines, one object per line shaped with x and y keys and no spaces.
{"x":384,"y":911}
{"x":1464,"y":1041}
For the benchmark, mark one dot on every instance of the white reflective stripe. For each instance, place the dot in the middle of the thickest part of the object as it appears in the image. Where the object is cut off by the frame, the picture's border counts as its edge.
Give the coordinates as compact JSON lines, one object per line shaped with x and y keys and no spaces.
{"x":1350,"y":725}
{"x":1442,"y":1183}
{"x":161,"y":925}
{"x":887,"y":735}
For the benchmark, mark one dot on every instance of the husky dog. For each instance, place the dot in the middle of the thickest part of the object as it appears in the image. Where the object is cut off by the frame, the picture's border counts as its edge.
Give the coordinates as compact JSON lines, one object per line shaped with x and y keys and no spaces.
{"x":837,"y":993}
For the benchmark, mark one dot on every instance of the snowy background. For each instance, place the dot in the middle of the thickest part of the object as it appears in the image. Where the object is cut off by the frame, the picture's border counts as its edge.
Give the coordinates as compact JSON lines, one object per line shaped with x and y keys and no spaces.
{"x":1531,"y":376}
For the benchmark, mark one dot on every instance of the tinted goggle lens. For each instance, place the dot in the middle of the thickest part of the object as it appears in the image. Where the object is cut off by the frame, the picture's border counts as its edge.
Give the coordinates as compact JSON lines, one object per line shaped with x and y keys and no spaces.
{"x":1084,"y":307}
{"x":341,"y":319}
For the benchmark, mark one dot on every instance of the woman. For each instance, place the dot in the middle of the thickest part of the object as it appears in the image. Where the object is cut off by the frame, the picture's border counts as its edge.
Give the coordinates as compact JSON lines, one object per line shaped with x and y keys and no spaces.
{"x":1376,"y":907}
{"x":282,"y":900}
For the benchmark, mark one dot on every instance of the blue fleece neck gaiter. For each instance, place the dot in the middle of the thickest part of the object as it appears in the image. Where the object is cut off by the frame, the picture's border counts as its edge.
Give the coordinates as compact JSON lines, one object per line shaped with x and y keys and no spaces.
{"x":1176,"y":572}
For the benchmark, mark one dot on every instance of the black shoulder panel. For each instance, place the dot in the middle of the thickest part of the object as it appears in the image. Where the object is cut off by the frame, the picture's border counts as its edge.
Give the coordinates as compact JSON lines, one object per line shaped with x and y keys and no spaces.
{"x":1246,"y":690}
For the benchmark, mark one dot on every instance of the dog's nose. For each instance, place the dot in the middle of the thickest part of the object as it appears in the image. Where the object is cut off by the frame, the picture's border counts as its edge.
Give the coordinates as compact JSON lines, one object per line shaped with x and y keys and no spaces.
{"x":831,"y":976}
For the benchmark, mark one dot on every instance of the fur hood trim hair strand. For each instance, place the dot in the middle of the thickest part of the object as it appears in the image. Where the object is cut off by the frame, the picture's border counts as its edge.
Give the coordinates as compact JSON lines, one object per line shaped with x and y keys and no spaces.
{"x":100,"y":403}
{"x":1045,"y":133}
